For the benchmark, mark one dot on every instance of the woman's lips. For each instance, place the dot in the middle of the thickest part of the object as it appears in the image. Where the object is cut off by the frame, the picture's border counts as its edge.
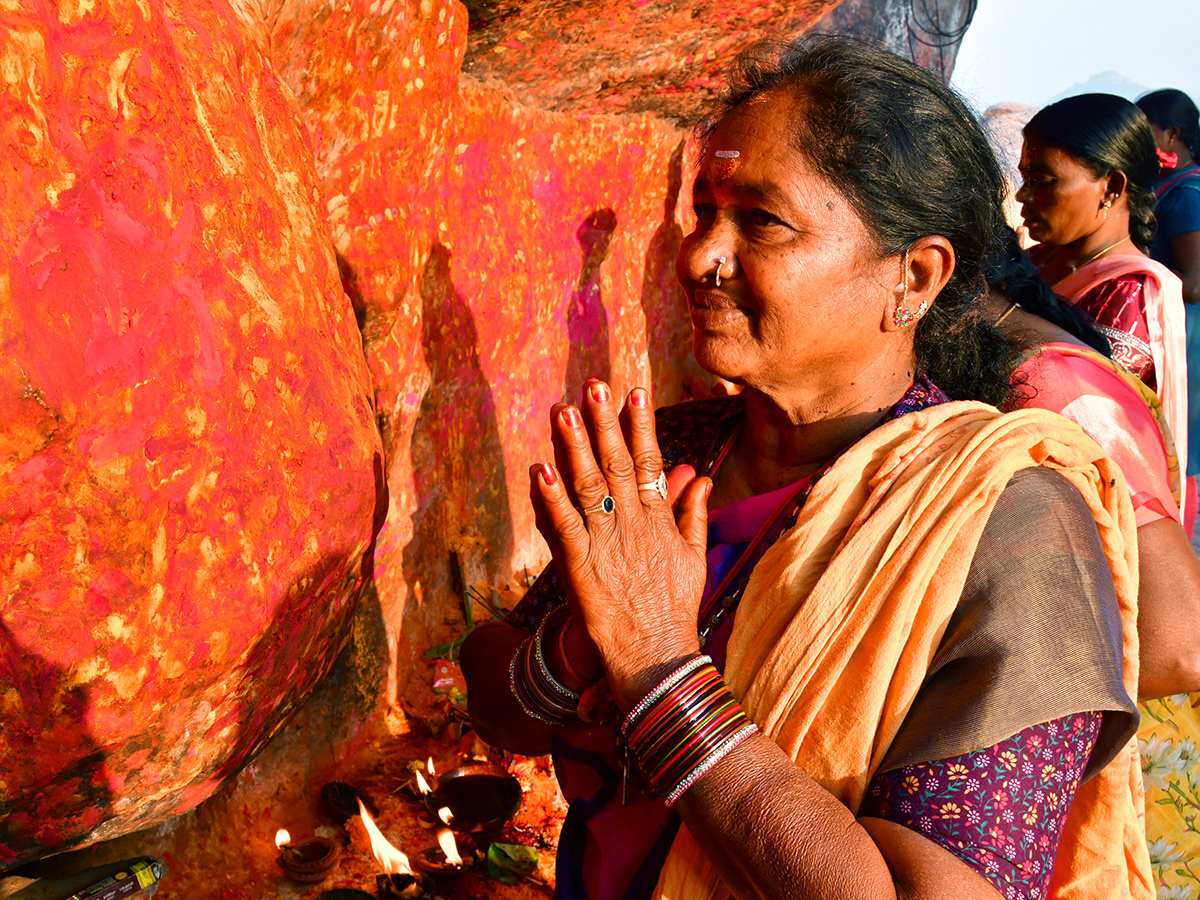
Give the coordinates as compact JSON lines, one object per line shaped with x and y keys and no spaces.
{"x":712,"y":309}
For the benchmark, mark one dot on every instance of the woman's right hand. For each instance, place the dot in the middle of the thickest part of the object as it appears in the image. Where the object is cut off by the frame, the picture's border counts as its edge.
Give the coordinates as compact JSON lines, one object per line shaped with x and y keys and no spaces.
{"x":633,"y":572}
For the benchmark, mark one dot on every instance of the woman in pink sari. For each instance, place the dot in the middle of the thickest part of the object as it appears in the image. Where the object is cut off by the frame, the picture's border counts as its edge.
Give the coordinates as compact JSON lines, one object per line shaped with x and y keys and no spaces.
{"x":1068,"y":370}
{"x":1089,"y":167}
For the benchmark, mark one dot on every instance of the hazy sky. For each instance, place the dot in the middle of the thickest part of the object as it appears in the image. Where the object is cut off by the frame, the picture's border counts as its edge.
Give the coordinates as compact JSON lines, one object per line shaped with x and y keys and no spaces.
{"x":1033,"y":50}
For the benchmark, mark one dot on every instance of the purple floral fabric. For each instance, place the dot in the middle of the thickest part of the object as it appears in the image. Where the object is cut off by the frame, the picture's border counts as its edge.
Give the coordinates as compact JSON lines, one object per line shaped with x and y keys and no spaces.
{"x":999,"y":810}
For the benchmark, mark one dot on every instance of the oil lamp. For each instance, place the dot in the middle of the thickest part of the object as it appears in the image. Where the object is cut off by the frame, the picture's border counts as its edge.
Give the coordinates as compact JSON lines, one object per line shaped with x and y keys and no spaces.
{"x":308,"y":861}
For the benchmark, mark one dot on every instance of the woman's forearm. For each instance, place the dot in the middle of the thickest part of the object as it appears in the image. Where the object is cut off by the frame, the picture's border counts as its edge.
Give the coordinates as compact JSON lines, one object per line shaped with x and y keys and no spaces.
{"x":773,"y":832}
{"x":497,"y":716}
{"x":1168,"y":611}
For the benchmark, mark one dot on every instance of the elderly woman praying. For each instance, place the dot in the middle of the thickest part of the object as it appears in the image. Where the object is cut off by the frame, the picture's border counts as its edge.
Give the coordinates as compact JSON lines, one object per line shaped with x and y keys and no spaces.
{"x":852,"y":632}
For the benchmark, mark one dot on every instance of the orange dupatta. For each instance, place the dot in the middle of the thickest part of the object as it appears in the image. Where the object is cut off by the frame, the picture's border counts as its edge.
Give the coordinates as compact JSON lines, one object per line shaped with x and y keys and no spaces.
{"x":843,"y":615}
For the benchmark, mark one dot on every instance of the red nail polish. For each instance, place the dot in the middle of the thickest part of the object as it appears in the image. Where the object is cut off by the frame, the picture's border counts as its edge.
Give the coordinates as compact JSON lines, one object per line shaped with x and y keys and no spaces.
{"x":549,"y":475}
{"x":600,"y":392}
{"x":639,"y":398}
{"x":570,"y":415}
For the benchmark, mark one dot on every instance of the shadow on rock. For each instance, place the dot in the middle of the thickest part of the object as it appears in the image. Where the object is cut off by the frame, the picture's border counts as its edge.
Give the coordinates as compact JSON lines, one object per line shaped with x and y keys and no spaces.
{"x":587,"y":321}
{"x":462,"y":526}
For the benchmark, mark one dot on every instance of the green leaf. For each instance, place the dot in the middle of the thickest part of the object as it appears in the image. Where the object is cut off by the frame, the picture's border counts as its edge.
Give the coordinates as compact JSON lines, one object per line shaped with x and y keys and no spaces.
{"x":510,"y":863}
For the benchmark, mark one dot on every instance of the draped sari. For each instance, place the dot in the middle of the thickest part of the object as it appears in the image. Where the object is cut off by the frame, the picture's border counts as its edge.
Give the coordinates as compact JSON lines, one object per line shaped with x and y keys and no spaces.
{"x":843,"y":615}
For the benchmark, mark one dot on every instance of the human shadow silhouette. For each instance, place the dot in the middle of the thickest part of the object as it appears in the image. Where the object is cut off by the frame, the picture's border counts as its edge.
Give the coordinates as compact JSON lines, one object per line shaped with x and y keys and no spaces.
{"x":45,"y":806}
{"x":587,"y":321}
{"x":462,"y":526}
{"x":668,"y":325}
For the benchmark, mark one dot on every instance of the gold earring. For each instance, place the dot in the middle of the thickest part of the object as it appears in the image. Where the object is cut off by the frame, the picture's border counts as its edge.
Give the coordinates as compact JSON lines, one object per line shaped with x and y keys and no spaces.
{"x":903,"y":317}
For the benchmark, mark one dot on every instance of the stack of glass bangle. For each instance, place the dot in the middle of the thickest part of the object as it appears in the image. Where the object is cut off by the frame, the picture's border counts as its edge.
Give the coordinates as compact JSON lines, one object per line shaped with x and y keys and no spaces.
{"x":684,"y":727}
{"x":542,"y":696}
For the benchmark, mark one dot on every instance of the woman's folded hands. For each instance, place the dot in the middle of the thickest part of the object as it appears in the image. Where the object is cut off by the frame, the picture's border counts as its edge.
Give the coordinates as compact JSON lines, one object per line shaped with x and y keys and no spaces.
{"x":628,"y":543}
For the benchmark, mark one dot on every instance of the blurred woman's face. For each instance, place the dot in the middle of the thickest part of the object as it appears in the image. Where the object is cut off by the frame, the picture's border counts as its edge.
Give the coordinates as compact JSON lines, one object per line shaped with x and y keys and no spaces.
{"x":1162,"y":139}
{"x":802,"y":293}
{"x":1061,"y":199}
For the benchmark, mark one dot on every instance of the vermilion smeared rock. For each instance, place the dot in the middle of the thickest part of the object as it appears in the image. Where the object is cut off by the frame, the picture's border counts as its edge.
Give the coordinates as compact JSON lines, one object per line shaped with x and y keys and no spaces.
{"x":189,"y":464}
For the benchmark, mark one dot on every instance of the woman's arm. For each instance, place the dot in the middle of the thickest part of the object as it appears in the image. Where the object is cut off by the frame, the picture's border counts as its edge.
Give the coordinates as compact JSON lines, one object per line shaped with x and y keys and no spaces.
{"x":635,"y":574}
{"x":1168,"y":611}
{"x":1186,"y":248}
{"x":773,"y":832}
{"x":494,"y":711}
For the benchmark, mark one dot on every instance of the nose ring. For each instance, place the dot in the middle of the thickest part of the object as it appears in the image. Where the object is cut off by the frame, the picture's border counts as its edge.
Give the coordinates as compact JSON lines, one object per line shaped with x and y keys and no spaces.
{"x":717,"y":274}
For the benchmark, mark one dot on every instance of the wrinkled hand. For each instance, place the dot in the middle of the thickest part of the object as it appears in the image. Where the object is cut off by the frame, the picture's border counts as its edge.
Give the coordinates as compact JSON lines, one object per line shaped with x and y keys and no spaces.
{"x":634,"y":577}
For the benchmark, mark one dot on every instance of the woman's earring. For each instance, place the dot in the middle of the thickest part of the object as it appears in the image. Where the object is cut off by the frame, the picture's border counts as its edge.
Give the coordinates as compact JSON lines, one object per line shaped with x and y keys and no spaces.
{"x":717,"y":275}
{"x":903,"y":316}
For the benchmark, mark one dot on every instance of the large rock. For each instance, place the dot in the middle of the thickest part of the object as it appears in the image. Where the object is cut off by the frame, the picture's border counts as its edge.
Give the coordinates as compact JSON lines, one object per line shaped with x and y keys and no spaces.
{"x":189,"y":462}
{"x":498,"y":254}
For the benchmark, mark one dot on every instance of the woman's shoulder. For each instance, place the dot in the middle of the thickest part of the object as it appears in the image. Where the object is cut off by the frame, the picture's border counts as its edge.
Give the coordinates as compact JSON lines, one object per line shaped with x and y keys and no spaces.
{"x":1036,"y":634}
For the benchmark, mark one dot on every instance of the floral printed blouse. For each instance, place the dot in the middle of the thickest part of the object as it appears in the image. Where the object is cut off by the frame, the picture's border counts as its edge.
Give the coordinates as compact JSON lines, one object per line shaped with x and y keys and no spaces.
{"x":999,"y":810}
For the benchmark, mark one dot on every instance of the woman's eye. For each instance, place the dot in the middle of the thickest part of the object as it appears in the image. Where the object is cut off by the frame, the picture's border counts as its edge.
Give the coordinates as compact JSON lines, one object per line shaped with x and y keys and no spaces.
{"x":759,"y":218}
{"x":705,"y":212}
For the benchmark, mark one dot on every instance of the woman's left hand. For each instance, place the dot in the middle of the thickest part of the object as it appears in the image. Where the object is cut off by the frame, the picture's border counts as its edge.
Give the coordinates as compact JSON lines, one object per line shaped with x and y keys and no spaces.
{"x":633,"y":575}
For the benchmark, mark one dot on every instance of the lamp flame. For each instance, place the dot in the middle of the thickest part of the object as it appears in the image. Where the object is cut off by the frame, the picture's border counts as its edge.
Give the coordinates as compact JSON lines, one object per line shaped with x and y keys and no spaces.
{"x":429,"y":767}
{"x":422,"y":785}
{"x":282,"y":837}
{"x":449,"y":847}
{"x":445,"y":815}
{"x":393,"y":861}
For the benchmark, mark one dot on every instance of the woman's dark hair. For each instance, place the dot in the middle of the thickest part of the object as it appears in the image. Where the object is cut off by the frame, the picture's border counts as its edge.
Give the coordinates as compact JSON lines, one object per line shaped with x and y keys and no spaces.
{"x":1106,"y":133}
{"x":1171,"y":107}
{"x":1012,"y":273}
{"x":912,"y":160}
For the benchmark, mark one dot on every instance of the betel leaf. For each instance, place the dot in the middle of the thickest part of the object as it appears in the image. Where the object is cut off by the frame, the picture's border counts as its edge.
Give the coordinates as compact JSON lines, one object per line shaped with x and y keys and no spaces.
{"x":510,"y":863}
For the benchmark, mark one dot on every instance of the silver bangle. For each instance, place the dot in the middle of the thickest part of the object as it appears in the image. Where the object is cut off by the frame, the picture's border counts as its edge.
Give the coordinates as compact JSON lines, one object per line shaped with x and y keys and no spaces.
{"x":709,"y":761}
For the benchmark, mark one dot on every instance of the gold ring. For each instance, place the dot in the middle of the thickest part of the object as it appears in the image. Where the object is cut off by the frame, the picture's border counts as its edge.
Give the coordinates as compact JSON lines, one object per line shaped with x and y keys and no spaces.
{"x":606,"y":506}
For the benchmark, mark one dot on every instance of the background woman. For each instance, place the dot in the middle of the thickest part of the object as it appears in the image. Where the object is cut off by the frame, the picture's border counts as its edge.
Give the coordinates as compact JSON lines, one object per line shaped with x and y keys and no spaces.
{"x":1175,"y":123}
{"x":1066,"y":373}
{"x":1089,"y":166}
{"x":907,"y":595}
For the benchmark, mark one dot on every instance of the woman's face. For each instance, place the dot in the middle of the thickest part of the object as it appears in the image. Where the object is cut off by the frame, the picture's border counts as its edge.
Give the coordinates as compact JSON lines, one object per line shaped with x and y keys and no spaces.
{"x":1162,"y":139}
{"x":1061,"y":199}
{"x":802,"y":291}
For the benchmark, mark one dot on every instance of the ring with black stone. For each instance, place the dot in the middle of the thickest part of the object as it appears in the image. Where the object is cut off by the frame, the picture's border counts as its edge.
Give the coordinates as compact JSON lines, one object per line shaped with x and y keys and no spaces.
{"x":605,"y":506}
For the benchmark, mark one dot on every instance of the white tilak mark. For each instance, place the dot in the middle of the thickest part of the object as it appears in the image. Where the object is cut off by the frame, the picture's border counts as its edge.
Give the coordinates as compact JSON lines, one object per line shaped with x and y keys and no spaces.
{"x":727,"y":154}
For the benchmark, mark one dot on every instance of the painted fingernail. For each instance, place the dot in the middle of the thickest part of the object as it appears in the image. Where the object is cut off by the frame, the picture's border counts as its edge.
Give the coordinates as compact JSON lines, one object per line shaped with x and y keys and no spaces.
{"x":708,"y":490}
{"x":570,"y":416}
{"x":549,"y":476}
{"x":639,"y":398}
{"x":599,"y":392}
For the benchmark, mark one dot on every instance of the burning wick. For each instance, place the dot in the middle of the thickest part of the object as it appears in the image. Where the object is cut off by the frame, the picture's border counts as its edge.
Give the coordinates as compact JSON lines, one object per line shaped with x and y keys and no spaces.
{"x":449,"y":846}
{"x":308,"y":861}
{"x":422,"y":785}
{"x":393,"y":861}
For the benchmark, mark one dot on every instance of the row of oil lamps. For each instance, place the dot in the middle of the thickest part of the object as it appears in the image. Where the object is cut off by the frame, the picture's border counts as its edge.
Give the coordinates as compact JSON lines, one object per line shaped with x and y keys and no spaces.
{"x":472,"y":798}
